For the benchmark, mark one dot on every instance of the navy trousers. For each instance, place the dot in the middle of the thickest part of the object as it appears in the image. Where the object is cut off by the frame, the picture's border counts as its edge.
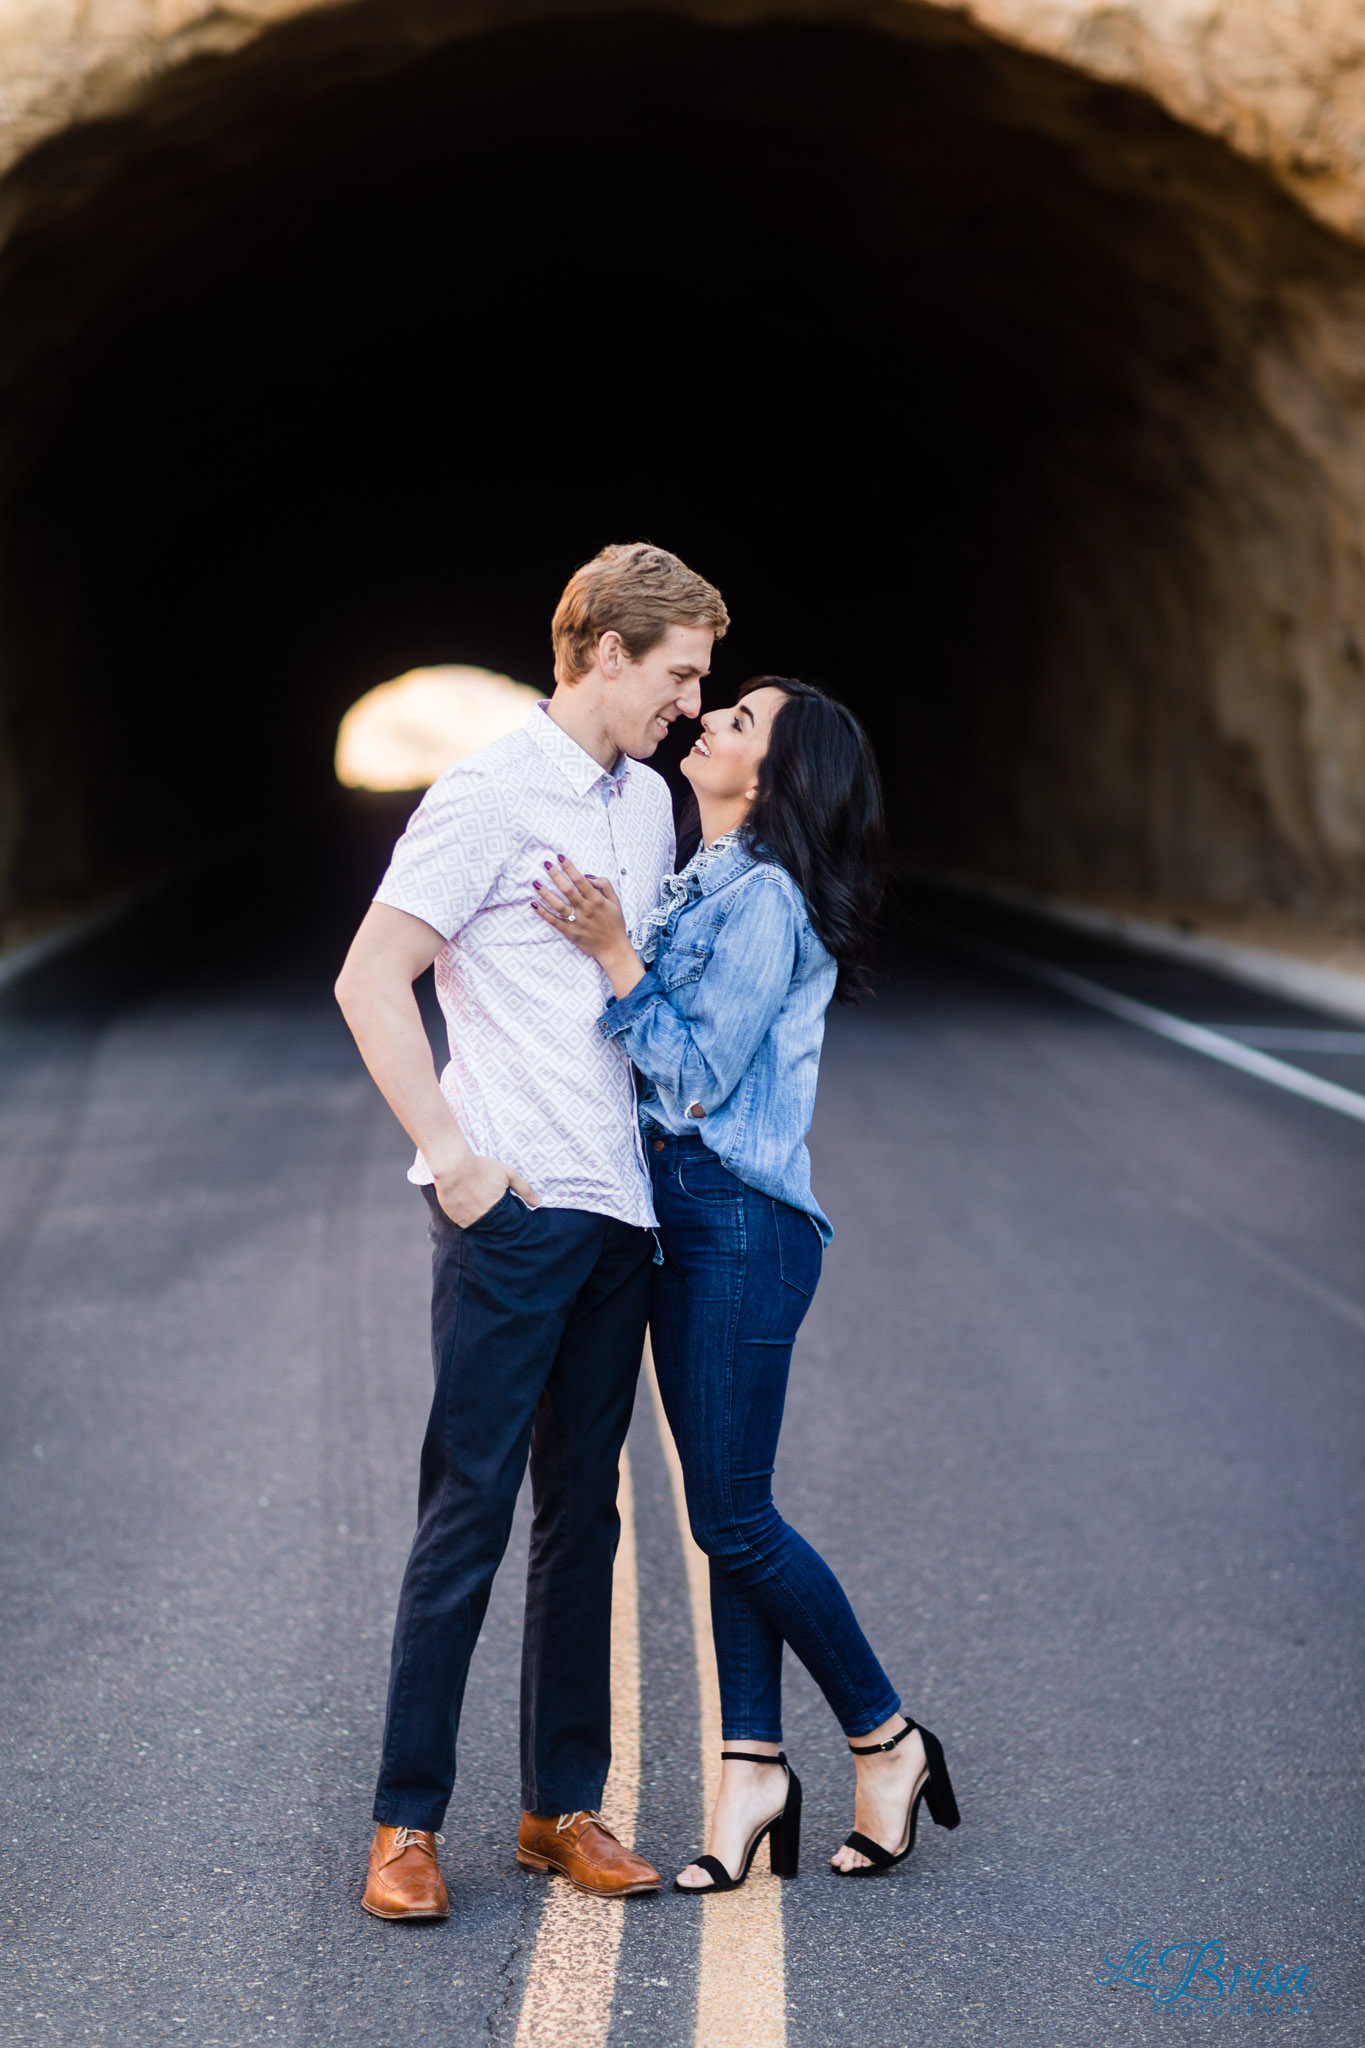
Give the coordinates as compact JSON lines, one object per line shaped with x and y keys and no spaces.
{"x":537,"y":1321}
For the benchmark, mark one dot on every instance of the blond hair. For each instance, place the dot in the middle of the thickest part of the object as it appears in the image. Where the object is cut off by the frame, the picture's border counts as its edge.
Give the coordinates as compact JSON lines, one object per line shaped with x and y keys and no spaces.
{"x":637,"y":591}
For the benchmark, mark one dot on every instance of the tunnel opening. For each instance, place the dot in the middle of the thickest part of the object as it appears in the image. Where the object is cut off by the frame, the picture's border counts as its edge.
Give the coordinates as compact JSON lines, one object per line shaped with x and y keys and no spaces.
{"x":405,"y":732}
{"x":1020,"y":415}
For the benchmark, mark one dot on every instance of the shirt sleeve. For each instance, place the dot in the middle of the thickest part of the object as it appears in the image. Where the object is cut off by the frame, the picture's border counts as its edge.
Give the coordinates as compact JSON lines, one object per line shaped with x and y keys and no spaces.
{"x":448,"y":859}
{"x":701,"y":1058}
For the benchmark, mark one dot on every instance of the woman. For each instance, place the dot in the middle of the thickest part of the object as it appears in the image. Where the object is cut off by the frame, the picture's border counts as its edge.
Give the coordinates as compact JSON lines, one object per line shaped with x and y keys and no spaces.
{"x":722,"y":1009}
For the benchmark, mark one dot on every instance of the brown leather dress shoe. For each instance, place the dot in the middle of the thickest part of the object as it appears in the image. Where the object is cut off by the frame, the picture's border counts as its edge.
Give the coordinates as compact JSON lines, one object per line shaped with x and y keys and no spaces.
{"x":582,"y":1848}
{"x":405,"y":1878}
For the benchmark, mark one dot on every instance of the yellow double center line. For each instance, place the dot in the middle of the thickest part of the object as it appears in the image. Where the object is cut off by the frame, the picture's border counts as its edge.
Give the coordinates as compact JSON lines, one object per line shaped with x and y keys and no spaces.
{"x":567,"y":2001}
{"x":741,"y":1985}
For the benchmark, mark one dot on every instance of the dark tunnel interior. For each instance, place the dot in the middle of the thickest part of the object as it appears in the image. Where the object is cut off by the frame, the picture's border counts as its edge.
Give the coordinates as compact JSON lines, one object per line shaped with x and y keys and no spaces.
{"x":340,"y":357}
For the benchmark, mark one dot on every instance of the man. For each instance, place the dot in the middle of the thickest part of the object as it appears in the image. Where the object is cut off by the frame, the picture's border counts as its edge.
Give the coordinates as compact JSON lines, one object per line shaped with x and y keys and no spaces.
{"x":541,"y":1218}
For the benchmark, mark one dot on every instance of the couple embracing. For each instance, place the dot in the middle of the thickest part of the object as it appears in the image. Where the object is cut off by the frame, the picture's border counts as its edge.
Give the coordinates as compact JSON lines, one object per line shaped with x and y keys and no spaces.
{"x":566,"y":1216}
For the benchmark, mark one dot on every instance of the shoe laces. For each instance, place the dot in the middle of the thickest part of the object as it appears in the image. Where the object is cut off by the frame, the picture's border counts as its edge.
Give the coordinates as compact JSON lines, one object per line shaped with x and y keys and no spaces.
{"x":566,"y":1820}
{"x":413,"y":1838}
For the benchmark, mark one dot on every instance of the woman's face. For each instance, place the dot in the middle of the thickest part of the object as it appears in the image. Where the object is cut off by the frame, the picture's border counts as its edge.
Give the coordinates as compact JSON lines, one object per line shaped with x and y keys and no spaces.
{"x":724,"y":762}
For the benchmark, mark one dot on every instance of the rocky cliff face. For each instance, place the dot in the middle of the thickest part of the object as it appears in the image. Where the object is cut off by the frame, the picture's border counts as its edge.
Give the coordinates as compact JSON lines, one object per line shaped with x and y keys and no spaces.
{"x":1279,"y":82}
{"x":1079,"y":287}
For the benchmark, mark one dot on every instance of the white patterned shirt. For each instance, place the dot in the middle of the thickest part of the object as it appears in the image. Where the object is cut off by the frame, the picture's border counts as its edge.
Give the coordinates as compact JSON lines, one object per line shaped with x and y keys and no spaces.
{"x":531,"y":1079}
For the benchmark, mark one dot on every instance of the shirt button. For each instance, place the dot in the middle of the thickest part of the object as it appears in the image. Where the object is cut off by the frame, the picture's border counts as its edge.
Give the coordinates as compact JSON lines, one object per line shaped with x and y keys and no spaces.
{"x":658,"y":1144}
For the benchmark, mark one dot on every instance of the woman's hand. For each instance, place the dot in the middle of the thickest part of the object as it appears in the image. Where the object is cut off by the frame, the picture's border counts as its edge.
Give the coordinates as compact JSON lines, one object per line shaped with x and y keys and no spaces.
{"x":587,"y":911}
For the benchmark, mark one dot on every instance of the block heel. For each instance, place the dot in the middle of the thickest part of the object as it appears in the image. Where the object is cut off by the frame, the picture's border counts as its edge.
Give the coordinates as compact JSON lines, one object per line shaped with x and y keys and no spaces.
{"x":938,"y":1790}
{"x":784,"y":1836}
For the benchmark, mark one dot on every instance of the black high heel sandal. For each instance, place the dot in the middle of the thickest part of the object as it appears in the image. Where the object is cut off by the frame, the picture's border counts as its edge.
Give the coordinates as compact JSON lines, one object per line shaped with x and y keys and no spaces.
{"x":936,"y":1791}
{"x":783,"y":1832}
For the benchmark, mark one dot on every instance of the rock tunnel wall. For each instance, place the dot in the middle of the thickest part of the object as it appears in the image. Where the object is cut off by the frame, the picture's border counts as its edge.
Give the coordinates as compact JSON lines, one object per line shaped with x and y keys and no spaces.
{"x":1023,"y":399}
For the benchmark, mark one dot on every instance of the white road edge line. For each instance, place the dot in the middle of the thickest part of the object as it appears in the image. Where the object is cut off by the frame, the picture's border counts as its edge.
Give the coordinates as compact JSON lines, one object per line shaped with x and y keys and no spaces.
{"x":741,"y":1980}
{"x":1196,"y":1037}
{"x":572,"y":1979}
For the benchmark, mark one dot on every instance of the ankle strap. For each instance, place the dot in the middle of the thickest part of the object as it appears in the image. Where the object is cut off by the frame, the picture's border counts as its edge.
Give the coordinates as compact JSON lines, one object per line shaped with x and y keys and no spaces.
{"x":745,"y":1756}
{"x":875,"y":1748}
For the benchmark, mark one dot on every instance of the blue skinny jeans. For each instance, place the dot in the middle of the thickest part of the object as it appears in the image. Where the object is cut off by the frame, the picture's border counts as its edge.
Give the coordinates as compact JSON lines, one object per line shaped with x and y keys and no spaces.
{"x":738,"y":1275}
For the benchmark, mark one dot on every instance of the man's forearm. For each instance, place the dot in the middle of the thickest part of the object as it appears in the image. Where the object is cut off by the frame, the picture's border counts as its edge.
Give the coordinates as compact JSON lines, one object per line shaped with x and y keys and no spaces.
{"x":375,"y":991}
{"x":387,"y":1026}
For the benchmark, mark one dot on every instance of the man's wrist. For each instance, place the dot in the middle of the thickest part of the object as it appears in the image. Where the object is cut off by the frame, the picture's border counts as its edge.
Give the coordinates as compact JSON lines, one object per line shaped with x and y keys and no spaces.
{"x":448,"y":1168}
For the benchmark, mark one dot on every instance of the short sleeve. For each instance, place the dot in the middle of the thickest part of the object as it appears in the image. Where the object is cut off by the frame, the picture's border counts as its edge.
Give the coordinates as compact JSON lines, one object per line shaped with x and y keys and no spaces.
{"x":450,"y":856}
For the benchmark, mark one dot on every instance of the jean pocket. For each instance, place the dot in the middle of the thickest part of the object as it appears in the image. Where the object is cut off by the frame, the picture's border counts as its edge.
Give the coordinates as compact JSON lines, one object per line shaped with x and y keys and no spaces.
{"x":799,"y":1251}
{"x":703,"y":1179}
{"x":506,"y":1202}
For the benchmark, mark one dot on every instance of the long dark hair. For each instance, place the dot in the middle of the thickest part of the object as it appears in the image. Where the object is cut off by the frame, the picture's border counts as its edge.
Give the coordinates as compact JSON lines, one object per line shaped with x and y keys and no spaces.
{"x":818,"y":814}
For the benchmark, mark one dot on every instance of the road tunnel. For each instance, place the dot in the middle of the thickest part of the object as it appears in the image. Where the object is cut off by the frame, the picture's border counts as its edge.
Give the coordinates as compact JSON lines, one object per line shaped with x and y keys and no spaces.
{"x":1025,"y":417}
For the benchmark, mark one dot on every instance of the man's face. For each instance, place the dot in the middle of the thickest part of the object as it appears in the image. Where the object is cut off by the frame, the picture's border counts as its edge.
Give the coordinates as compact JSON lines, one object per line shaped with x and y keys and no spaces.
{"x":644,"y":697}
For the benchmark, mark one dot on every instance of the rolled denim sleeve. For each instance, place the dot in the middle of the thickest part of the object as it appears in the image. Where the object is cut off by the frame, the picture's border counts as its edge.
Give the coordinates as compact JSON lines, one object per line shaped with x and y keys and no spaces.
{"x":701,"y":1057}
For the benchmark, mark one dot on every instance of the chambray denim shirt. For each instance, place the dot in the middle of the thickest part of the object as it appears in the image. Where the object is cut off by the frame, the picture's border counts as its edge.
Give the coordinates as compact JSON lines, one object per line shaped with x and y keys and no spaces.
{"x":730,"y":1018}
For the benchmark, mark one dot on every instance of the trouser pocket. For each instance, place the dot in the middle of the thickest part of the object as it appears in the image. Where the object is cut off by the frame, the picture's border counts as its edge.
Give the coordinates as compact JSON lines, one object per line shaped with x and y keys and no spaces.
{"x":799,"y":1250}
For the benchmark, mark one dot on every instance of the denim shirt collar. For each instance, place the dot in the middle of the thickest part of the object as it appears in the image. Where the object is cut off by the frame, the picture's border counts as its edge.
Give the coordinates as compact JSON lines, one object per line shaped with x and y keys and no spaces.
{"x":736,"y":860}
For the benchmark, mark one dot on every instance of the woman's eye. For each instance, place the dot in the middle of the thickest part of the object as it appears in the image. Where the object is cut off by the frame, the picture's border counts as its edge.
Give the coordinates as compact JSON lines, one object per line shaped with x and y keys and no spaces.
{"x":734,"y":724}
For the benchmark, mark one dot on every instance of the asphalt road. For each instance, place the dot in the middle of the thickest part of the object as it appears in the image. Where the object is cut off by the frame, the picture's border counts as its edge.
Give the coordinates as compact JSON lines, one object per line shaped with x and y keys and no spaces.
{"x":1077,"y":1416}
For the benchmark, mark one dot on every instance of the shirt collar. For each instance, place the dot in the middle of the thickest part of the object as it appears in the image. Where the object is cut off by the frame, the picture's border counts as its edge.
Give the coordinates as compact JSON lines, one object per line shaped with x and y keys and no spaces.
{"x":733,"y":860}
{"x":578,"y":767}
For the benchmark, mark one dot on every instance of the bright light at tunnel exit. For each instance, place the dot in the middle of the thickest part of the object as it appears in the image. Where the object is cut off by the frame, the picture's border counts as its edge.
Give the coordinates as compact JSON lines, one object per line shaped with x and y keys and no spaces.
{"x":401,"y":734}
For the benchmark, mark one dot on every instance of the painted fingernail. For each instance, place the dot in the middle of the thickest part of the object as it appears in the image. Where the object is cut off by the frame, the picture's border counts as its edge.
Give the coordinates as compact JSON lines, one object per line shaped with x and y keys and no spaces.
{"x":546,"y":865}
{"x":535,"y":885}
{"x":562,"y":858}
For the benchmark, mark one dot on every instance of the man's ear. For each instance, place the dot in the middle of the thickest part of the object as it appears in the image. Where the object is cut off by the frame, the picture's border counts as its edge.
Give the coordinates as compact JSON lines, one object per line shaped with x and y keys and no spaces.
{"x":611,"y":654}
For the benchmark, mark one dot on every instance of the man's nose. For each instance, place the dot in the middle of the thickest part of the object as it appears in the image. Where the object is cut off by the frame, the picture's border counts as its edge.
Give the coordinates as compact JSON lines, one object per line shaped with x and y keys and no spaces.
{"x":689,"y":701}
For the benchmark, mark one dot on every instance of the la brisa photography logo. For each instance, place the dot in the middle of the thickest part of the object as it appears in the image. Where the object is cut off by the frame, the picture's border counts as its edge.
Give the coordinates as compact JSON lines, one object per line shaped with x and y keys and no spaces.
{"x":1196,"y":1978}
